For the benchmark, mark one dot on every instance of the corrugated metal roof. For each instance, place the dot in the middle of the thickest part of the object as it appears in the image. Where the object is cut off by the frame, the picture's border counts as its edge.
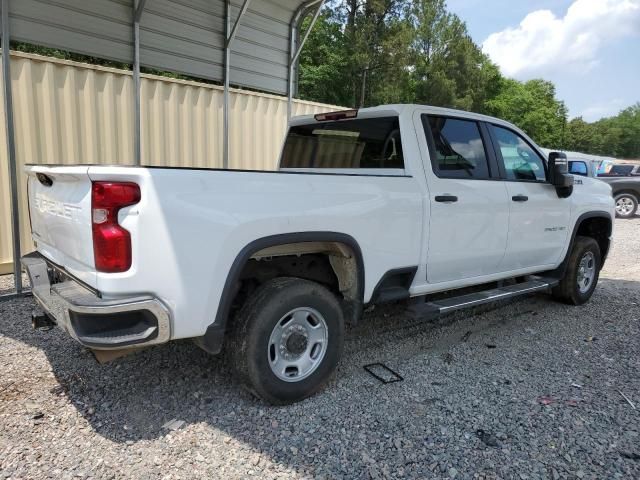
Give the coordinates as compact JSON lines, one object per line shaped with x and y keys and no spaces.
{"x":185,"y":36}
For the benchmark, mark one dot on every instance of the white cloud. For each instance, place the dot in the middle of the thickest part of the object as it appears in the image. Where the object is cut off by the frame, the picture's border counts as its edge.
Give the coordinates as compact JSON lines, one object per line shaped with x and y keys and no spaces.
{"x":543,"y":41}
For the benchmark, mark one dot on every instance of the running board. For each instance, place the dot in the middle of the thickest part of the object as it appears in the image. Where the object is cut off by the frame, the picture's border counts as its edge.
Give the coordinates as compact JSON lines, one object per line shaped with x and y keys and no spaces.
{"x":446,"y":305}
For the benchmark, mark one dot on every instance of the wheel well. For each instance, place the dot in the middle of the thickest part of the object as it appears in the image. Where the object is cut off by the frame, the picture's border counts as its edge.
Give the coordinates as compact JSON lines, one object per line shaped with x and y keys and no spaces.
{"x":332,"y":264}
{"x":628,"y":192}
{"x":598,"y":228}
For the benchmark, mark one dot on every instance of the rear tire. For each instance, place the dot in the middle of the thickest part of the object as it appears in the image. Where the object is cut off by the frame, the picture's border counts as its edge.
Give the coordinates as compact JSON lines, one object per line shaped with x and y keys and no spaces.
{"x":287,"y":339}
{"x":626,"y":205}
{"x":583,"y":271}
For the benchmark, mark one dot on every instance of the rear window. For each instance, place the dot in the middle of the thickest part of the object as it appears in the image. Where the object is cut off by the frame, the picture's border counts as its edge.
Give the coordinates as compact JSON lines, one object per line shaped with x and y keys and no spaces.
{"x":621,"y":170}
{"x":363,"y":143}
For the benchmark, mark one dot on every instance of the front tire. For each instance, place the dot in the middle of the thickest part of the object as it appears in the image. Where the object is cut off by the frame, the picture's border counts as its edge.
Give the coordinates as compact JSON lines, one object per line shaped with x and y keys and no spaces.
{"x":583,"y":271}
{"x":626,"y":205}
{"x":287,"y":339}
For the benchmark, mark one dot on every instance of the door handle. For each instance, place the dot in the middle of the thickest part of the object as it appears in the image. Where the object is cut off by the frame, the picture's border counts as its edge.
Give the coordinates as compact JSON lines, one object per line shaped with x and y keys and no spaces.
{"x":519,"y":198}
{"x":446,"y":198}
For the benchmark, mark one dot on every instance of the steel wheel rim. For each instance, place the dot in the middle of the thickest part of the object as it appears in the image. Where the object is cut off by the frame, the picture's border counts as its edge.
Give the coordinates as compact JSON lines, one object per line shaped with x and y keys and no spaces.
{"x":624,"y":205}
{"x":298,"y":344}
{"x":586,"y":271}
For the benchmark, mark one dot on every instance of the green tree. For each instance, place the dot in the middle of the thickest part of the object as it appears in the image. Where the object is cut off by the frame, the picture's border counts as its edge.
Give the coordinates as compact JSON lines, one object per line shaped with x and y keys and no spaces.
{"x":356,"y":54}
{"x":377,"y":37}
{"x":579,"y":135}
{"x":617,"y":136}
{"x":533,"y":107}
{"x":628,"y":123}
{"x":324,"y":62}
{"x":449,"y":68}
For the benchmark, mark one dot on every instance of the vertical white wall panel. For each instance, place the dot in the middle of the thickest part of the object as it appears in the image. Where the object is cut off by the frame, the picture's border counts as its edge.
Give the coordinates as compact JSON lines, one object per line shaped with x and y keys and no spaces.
{"x":69,"y":113}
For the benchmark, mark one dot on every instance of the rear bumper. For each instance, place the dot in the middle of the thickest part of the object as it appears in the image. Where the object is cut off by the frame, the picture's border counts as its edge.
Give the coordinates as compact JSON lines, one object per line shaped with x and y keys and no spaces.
{"x":93,"y":321}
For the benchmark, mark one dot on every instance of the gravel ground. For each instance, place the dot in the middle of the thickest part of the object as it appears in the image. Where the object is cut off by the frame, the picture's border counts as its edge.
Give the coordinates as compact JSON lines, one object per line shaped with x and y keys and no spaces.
{"x":532,"y":389}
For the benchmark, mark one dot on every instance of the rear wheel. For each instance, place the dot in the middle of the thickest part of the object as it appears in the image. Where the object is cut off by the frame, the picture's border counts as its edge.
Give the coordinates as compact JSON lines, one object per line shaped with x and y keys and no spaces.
{"x":583,"y":271}
{"x":626,"y":205}
{"x":287,"y":339}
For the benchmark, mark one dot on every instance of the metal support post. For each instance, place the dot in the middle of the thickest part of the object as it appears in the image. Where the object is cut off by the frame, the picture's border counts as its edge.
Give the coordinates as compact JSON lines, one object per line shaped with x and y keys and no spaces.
{"x":294,"y":53}
{"x":137,"y":15}
{"x":230,"y":34}
{"x":11,"y":145}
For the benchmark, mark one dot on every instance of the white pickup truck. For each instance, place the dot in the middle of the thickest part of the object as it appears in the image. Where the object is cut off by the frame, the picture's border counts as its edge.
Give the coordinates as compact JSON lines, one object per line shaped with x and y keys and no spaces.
{"x":381,"y":204}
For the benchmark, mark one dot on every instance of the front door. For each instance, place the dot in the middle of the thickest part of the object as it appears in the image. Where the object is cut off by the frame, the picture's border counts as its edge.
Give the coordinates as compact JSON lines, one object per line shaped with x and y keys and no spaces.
{"x":538,"y":219}
{"x":469,"y":212}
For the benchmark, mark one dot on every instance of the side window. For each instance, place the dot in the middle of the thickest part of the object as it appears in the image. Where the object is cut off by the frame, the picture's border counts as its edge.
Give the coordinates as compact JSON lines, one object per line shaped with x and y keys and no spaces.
{"x":521,"y":162}
{"x":578,"y":168}
{"x":459,"y":150}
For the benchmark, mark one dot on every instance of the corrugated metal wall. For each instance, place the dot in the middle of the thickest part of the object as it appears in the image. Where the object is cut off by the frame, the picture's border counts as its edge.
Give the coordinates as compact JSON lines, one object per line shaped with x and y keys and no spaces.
{"x":66,"y":112}
{"x":185,"y":36}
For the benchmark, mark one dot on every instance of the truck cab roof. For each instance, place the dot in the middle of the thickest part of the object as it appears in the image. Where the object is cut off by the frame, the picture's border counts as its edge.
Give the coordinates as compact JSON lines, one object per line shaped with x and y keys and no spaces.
{"x":400,"y":109}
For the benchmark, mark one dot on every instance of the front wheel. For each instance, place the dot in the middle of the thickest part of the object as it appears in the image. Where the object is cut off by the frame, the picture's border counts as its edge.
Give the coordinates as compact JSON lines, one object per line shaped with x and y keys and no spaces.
{"x":583,"y":271}
{"x":626,"y":205}
{"x":287,"y":340}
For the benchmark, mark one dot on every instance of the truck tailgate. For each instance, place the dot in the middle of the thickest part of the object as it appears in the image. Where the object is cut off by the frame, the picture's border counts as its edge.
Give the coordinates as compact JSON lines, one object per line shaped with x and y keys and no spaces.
{"x":60,"y":212}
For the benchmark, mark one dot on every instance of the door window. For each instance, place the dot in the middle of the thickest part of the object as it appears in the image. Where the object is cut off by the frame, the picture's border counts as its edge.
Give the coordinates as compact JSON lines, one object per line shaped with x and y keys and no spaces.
{"x":458,"y":149}
{"x":521,"y":162}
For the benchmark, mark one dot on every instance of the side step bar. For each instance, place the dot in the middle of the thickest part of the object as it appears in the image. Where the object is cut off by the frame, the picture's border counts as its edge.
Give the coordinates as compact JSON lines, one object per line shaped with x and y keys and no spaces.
{"x":439,"y":307}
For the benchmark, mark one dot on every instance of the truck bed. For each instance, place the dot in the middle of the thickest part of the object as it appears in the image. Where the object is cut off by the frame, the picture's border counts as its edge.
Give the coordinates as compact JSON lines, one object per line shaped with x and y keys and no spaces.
{"x":191,"y":224}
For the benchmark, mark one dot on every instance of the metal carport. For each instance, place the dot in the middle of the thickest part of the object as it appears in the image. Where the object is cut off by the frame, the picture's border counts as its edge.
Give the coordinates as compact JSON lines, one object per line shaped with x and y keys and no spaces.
{"x":253,"y":44}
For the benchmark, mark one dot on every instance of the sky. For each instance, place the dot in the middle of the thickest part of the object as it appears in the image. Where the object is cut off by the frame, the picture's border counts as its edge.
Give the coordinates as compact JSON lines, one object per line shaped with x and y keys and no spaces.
{"x":590,"y":49}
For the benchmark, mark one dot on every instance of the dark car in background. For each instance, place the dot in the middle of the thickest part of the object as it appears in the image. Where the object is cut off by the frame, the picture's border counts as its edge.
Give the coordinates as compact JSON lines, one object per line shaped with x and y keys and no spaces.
{"x":626,"y":191}
{"x":622,"y":170}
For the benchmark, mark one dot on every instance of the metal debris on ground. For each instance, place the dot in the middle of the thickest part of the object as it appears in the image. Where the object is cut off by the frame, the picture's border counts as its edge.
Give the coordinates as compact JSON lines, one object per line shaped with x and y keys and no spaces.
{"x":174,"y":424}
{"x":383,"y":373}
{"x":466,"y":336}
{"x":627,"y":399}
{"x":6,"y":387}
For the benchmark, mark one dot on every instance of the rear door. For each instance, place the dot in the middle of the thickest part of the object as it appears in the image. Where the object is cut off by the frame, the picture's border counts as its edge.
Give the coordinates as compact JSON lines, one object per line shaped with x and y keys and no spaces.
{"x":60,"y":214}
{"x":538,"y":219}
{"x":469,"y":212}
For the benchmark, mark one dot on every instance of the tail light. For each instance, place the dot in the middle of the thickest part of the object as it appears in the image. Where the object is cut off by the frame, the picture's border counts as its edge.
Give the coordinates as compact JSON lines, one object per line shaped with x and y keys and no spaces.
{"x":111,"y":242}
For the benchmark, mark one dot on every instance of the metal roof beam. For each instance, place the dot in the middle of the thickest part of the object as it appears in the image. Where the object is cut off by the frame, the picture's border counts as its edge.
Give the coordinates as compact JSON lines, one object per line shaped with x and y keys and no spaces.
{"x":307,"y":33}
{"x":234,"y":30}
{"x":138,"y":11}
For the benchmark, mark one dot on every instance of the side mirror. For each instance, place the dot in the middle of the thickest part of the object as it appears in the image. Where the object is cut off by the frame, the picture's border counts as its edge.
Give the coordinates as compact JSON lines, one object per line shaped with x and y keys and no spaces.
{"x":559,"y":174}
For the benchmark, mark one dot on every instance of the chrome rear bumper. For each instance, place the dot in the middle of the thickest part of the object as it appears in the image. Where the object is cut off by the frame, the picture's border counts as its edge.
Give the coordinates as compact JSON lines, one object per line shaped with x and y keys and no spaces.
{"x":103,"y":324}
